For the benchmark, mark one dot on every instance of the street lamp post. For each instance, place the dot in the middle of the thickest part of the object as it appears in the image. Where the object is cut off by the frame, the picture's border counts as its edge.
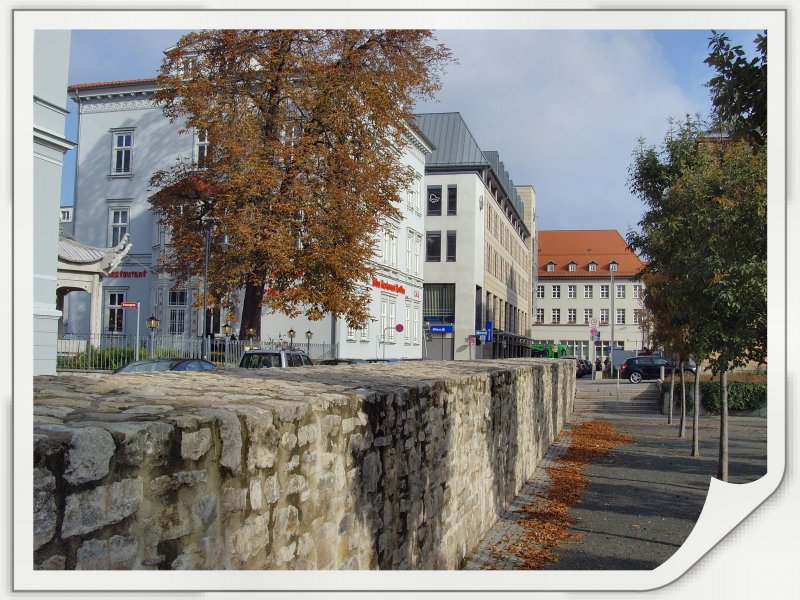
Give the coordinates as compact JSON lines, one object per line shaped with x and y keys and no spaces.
{"x":209,"y":224}
{"x":309,"y":335}
{"x":226,"y":330}
{"x":152,"y":325}
{"x":613,"y":317}
{"x":291,"y":333}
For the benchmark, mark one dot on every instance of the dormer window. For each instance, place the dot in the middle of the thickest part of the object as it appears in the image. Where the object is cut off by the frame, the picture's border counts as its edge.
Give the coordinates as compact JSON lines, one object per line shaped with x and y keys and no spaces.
{"x":551,"y":267}
{"x":572,"y":267}
{"x":613,"y":266}
{"x":592,"y":267}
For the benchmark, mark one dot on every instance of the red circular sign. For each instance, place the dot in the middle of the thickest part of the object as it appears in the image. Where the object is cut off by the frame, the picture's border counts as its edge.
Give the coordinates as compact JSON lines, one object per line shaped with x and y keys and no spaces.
{"x":399,"y":328}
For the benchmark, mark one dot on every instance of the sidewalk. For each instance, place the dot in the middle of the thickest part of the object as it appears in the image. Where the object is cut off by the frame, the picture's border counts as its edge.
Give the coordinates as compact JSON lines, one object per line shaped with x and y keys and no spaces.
{"x":641,"y":501}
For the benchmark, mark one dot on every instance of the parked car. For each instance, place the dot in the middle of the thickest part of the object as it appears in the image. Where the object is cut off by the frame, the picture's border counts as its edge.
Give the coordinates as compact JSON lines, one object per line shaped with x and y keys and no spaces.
{"x":341,"y":361}
{"x":166,"y":364}
{"x":263,"y":359}
{"x":637,"y":368}
{"x":580,"y":366}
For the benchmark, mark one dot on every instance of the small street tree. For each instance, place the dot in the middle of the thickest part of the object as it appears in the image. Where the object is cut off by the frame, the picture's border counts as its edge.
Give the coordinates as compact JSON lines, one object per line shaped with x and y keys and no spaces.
{"x":303,"y":132}
{"x":704,"y":230}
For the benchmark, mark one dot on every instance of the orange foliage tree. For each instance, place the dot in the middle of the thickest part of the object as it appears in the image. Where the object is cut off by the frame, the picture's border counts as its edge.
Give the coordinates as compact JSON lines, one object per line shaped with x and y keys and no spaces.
{"x":306,"y":132}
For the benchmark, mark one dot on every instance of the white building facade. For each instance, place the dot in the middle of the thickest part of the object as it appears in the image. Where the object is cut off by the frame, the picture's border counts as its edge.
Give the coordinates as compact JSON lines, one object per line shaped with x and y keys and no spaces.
{"x":123,"y":139}
{"x":477,"y":261}
{"x":587,"y":280}
{"x":51,"y":60}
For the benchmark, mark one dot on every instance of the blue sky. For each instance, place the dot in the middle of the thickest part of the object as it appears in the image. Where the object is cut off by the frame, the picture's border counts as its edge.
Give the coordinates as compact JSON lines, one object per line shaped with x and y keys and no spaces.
{"x":564,"y":108}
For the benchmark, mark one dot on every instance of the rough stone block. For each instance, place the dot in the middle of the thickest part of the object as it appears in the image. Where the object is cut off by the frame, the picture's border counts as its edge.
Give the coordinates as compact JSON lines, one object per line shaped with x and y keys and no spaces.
{"x":272,"y":489}
{"x":141,"y":441}
{"x":256,"y":495}
{"x":251,"y":538}
{"x":117,"y":552}
{"x":231,"y":433}
{"x":90,"y":510}
{"x":233,"y":500}
{"x":90,"y":451}
{"x":286,"y":522}
{"x":194,"y":444}
{"x":167,"y":483}
{"x":44,"y":507}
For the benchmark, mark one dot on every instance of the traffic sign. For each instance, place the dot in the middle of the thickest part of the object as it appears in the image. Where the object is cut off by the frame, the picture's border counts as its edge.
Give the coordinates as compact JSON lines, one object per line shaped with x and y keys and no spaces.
{"x":442,"y":328}
{"x":489,"y":331}
{"x":130,"y":305}
{"x":593,"y":331}
{"x":593,"y":322}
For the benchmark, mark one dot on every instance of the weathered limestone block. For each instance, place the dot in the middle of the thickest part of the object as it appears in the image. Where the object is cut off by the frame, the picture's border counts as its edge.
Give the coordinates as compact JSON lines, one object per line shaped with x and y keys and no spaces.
{"x":117,"y":552}
{"x":90,"y":510}
{"x":372,"y":472}
{"x":233,"y":499}
{"x":250,"y":539}
{"x":44,"y":507}
{"x":256,"y":495}
{"x":286,"y":522}
{"x":295,"y":484}
{"x":89,"y":453}
{"x":307,"y":434}
{"x":272,"y":489}
{"x":264,"y":439}
{"x":231,"y":434}
{"x":140,"y":441}
{"x":194,"y":444}
{"x":204,"y":510}
{"x":168,"y":483}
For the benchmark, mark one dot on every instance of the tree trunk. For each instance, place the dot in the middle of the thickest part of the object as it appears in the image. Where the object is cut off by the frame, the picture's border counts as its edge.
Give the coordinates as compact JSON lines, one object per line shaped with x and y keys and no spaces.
{"x":722,"y":471}
{"x":696,"y":417}
{"x":251,"y":309}
{"x":682,"y":428}
{"x":671,"y":395}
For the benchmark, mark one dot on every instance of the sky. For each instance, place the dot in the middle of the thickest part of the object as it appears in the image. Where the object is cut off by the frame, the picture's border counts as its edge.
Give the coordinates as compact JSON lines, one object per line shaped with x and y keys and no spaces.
{"x":564,"y":108}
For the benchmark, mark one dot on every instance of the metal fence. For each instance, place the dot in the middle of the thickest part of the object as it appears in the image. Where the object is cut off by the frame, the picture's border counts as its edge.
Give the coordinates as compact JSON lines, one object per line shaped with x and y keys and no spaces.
{"x":106,"y":352}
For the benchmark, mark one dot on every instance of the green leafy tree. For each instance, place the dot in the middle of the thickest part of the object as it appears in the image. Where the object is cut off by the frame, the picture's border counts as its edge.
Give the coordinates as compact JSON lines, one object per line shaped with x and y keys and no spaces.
{"x":739,"y":88}
{"x":306,"y":130}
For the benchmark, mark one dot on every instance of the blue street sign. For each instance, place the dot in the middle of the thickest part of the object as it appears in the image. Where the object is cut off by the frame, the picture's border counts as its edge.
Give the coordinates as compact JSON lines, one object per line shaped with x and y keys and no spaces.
{"x":489,"y":331}
{"x":443,"y":328}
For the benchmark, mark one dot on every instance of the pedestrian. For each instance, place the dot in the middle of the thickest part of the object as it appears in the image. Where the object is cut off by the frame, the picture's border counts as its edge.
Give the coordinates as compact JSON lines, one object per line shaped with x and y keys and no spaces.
{"x":598,"y":366}
{"x":607,"y":364}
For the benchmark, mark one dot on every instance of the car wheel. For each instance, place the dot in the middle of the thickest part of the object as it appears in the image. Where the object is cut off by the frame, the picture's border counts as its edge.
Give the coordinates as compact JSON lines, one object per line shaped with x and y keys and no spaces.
{"x":635,"y":377}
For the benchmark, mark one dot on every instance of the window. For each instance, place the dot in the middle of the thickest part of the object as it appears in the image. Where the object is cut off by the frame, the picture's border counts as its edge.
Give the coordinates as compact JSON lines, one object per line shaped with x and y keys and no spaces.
{"x":588,"y":291}
{"x":620,"y":291}
{"x":540,"y":291}
{"x":556,"y":312}
{"x":387,"y":320}
{"x":433,"y":246}
{"x":556,"y":291}
{"x":451,"y":246}
{"x":572,"y":267}
{"x":407,"y":322}
{"x":390,"y":246}
{"x":587,"y":315}
{"x":434,"y":200}
{"x":351,"y":334}
{"x":612,"y":266}
{"x":551,"y":266}
{"x":177,"y":312}
{"x":115,"y":320}
{"x":572,"y":315}
{"x":592,"y":267}
{"x":417,"y":270}
{"x":365,"y":332}
{"x":409,"y":252}
{"x":117,"y":225}
{"x":452,"y":200}
{"x":439,"y":302}
{"x":122,"y":153}
{"x":604,"y":316}
{"x":66,"y":215}
{"x":201,"y":148}
{"x":540,"y":315}
{"x":604,"y":291}
{"x":572,"y":291}
{"x":637,"y":291}
{"x":620,"y":316}
{"x":637,"y":316}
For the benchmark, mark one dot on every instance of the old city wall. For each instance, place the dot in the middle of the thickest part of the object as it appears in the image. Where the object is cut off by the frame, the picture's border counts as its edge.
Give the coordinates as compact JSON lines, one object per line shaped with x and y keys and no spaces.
{"x":388,"y":466}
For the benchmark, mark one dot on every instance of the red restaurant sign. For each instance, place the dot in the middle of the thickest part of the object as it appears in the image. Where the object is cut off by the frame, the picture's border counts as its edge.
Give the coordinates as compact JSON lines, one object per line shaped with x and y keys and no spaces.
{"x":141,"y":273}
{"x":385,"y":285}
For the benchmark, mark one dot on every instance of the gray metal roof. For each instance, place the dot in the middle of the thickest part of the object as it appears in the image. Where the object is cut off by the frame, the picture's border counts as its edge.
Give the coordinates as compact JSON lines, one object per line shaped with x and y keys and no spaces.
{"x":454,"y":143}
{"x":505,"y":179}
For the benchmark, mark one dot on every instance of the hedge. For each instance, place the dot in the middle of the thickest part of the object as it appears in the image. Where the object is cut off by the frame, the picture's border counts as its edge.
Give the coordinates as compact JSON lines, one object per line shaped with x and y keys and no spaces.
{"x":742,"y":395}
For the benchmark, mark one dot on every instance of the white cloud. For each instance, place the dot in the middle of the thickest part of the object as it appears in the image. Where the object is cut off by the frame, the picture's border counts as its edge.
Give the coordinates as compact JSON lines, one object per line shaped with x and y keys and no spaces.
{"x":565,"y":110}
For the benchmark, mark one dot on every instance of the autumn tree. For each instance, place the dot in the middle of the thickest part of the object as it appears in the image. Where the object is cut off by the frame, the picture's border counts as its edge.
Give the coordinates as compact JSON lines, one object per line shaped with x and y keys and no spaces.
{"x":306,"y":129}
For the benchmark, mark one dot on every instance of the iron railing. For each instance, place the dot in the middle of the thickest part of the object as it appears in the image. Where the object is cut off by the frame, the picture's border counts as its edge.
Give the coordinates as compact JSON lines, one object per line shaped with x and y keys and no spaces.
{"x":108,"y":351}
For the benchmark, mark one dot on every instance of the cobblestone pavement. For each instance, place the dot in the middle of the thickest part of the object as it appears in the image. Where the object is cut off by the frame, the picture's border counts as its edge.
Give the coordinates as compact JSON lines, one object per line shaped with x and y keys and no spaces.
{"x":642,"y":500}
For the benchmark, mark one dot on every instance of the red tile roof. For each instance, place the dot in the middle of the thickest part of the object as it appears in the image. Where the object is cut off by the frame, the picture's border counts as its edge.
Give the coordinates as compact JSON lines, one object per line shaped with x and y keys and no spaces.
{"x":583,"y":246}
{"x":103,"y":84}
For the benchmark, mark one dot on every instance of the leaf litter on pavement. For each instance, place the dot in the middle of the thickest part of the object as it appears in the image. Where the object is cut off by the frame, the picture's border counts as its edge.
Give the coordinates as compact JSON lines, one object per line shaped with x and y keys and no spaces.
{"x":546,"y":522}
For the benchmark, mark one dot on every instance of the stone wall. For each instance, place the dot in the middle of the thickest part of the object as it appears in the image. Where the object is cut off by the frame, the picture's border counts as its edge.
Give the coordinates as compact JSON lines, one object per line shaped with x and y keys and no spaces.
{"x":385,"y":466}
